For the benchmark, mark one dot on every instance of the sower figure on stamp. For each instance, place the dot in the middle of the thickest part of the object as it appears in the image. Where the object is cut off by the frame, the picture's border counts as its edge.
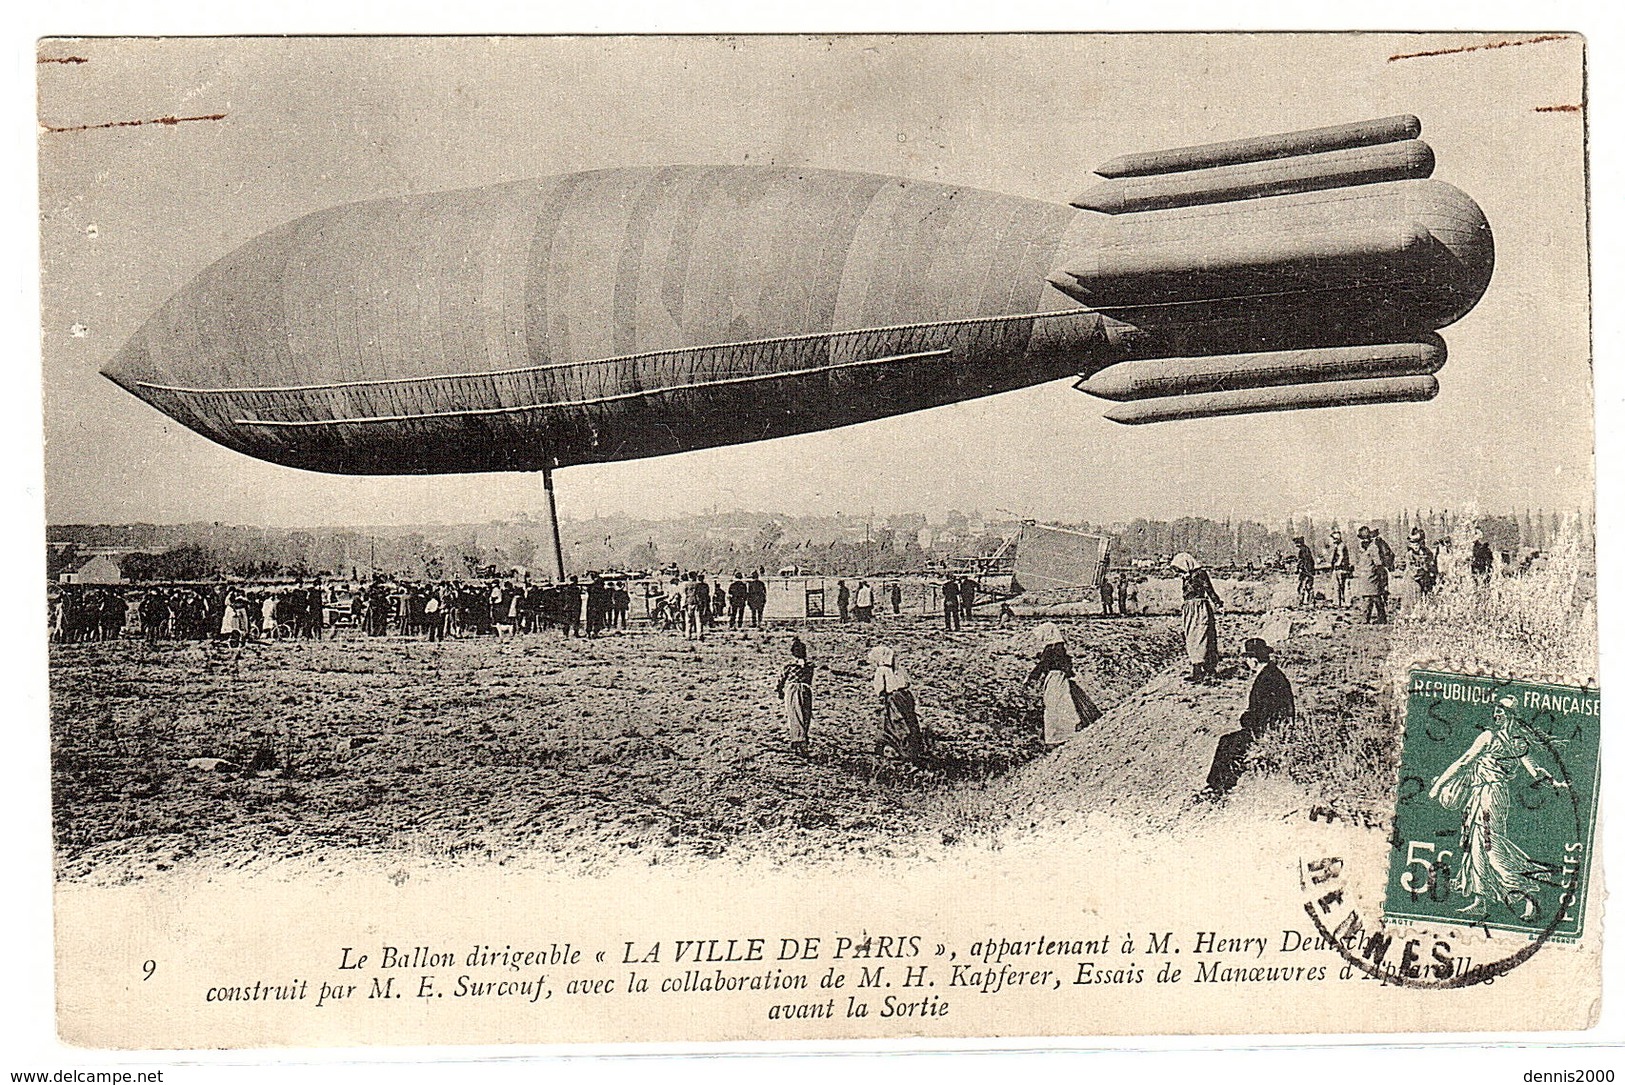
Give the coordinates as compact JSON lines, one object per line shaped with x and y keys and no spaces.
{"x":1269,"y":703}
{"x":1479,"y":784}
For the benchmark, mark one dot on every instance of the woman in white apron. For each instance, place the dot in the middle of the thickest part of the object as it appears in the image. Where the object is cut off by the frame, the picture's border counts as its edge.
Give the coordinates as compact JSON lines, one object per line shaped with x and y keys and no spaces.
{"x":1067,"y":709}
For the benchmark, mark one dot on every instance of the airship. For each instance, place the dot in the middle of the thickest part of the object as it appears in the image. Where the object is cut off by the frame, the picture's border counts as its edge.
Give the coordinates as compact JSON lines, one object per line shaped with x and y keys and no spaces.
{"x":623,"y":313}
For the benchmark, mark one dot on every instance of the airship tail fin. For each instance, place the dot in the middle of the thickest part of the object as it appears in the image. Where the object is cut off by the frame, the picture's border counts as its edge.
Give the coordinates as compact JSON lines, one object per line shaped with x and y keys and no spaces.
{"x":1156,"y":378}
{"x":1290,"y":397}
{"x":1265,"y":148}
{"x":1252,"y":180}
{"x":1363,"y":153}
{"x":1303,"y":269}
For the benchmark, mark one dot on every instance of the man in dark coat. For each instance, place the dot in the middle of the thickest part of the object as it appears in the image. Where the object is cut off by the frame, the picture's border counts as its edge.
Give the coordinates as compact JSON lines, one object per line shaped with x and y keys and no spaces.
{"x":968,"y":587}
{"x":756,"y":598}
{"x":738,"y":593}
{"x":1385,"y":554}
{"x":315,"y":609}
{"x":1371,"y":578}
{"x":843,"y":600}
{"x":570,"y":597}
{"x":1384,"y":551}
{"x":1483,"y":559}
{"x":154,"y":612}
{"x":1421,"y":564}
{"x":1306,"y":573}
{"x":1269,"y":705}
{"x":950,"y":603}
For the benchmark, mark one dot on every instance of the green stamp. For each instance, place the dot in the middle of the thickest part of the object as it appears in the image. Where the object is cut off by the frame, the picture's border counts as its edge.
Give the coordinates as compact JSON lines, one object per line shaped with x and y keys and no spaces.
{"x":1497,"y":801}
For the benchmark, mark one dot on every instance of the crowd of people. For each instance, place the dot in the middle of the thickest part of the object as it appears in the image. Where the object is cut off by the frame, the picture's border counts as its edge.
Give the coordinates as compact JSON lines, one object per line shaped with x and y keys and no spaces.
{"x":1364,"y":575}
{"x":246,"y":612}
{"x":583,"y":606}
{"x":96,"y":613}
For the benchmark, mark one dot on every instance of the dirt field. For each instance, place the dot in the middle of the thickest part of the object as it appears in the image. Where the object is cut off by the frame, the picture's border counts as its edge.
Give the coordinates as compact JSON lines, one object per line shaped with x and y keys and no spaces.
{"x":634,"y":744}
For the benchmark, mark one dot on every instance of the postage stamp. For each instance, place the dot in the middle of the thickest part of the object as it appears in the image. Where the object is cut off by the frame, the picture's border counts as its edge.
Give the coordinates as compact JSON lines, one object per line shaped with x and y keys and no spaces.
{"x":1496,"y":807}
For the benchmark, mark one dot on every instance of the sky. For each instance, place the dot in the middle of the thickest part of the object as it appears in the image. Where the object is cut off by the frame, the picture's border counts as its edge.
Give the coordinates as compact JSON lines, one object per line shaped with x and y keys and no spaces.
{"x":130,"y":214}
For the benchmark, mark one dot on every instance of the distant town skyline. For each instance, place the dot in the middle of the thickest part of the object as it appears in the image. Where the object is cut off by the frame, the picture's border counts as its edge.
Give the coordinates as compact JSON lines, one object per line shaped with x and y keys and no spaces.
{"x":932,"y":517}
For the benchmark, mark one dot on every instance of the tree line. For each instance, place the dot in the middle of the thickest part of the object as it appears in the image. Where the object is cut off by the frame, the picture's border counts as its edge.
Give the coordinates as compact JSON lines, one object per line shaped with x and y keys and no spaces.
{"x":833,"y":545}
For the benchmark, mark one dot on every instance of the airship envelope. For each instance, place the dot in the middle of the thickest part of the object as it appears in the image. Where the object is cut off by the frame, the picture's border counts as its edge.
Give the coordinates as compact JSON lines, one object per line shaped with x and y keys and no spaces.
{"x":624,"y":313}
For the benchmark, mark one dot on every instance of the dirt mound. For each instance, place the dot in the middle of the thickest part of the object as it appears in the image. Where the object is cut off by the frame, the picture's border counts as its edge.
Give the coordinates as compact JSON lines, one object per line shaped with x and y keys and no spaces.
{"x":1148,"y":757}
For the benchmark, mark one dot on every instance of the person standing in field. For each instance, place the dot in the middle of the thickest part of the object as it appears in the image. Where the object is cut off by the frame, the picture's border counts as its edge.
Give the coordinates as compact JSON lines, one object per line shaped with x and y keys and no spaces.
{"x":1306,"y":573}
{"x":737,"y":594}
{"x":234,"y":618}
{"x":756,"y":598}
{"x":1067,"y":710}
{"x":1371,"y":579}
{"x":1421,"y":564}
{"x":154,"y":612}
{"x":315,"y":609}
{"x":1385,"y":554}
{"x":950,"y":603}
{"x":1341,"y":566}
{"x":1103,"y":585}
{"x":898,"y":716}
{"x":434,"y":617}
{"x":843,"y":600}
{"x":1482,"y":562}
{"x":1200,"y":613}
{"x":895,"y":590}
{"x":1384,"y":551}
{"x":968,"y":587}
{"x":863,"y":602}
{"x":795,"y":691}
{"x":570,"y":596}
{"x":696,"y":601}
